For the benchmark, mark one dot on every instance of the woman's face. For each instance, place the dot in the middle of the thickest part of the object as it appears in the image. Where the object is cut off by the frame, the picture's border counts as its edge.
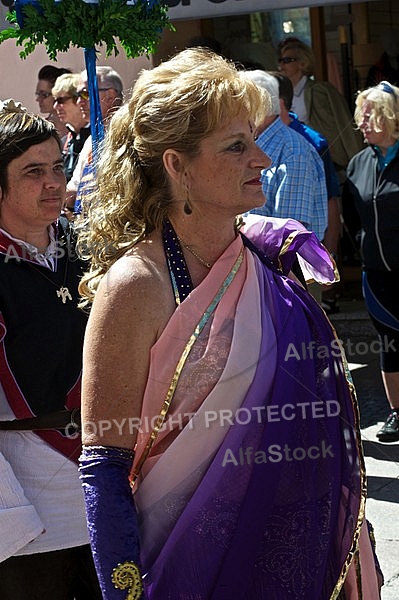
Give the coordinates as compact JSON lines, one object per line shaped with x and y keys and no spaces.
{"x":225,"y":176}
{"x":36,"y":189}
{"x":44,"y":96}
{"x":382,"y":139}
{"x":290,"y":65}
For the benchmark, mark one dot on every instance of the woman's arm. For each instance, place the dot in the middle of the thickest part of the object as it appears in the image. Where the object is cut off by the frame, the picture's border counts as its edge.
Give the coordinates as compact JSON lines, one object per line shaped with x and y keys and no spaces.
{"x":124,"y":323}
{"x":122,"y":327}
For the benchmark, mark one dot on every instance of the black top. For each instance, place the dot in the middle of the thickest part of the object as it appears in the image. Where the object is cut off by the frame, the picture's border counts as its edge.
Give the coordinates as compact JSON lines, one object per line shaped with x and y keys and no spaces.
{"x":376,"y":197}
{"x":73,"y":144}
{"x":41,"y":336}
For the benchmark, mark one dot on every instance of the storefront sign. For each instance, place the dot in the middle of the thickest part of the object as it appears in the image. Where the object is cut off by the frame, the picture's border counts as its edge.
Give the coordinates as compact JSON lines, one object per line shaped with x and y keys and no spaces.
{"x":202,"y":9}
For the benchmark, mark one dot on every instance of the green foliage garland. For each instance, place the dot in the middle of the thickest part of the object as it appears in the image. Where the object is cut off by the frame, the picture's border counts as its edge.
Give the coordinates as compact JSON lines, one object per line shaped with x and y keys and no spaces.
{"x":58,"y":25}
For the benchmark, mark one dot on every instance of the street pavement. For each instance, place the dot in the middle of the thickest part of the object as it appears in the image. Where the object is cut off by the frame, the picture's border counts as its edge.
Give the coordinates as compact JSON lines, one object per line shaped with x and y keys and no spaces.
{"x":382,"y":460}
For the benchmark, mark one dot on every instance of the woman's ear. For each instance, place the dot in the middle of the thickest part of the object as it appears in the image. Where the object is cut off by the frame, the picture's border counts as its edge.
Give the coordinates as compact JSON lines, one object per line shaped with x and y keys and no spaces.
{"x":174,"y":164}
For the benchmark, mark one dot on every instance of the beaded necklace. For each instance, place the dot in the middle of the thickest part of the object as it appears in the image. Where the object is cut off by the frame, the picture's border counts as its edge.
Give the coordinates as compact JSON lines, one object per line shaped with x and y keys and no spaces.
{"x":179,"y":274}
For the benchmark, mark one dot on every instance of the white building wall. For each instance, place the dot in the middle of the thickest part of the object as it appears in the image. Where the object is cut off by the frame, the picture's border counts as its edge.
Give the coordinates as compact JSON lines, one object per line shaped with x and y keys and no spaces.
{"x":18,"y":76}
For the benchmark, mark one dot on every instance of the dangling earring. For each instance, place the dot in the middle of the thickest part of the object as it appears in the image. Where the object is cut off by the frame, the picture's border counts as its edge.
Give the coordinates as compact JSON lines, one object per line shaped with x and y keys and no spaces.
{"x":187,"y":204}
{"x":187,"y":208}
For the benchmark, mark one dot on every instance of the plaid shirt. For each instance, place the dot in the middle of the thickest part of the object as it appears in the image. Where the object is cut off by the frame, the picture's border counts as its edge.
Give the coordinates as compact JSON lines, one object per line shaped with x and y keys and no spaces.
{"x":295,"y":184}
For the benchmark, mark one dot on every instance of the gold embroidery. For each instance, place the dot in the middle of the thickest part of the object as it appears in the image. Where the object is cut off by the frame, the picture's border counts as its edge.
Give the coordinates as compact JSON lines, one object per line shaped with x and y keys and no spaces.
{"x":127,"y":575}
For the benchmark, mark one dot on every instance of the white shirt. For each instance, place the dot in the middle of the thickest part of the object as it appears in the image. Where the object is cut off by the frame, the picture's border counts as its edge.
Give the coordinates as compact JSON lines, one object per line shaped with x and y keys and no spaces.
{"x":49,"y":482}
{"x":73,"y":183}
{"x":298,"y":101}
{"x":46,"y":258}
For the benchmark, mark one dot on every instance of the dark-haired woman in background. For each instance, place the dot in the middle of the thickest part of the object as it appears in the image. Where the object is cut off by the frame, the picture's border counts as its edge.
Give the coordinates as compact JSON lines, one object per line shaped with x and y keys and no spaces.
{"x":46,"y":79}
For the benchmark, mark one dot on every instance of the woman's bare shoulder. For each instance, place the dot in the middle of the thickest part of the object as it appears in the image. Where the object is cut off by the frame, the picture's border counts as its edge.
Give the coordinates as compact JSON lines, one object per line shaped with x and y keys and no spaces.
{"x":137,"y":286}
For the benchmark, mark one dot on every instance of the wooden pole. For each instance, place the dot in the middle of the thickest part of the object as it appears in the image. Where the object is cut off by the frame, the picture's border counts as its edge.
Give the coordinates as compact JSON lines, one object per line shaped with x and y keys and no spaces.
{"x":317,"y":28}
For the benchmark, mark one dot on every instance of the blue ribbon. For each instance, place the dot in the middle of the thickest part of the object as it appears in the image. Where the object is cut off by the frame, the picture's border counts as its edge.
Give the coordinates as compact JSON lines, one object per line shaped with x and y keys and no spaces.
{"x":96,"y":121}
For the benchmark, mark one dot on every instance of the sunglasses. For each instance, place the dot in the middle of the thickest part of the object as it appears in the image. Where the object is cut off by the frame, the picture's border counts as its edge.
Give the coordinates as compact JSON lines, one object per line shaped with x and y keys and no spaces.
{"x":286,"y":60}
{"x":63,"y":99}
{"x":43,"y":94}
{"x":84,"y":94}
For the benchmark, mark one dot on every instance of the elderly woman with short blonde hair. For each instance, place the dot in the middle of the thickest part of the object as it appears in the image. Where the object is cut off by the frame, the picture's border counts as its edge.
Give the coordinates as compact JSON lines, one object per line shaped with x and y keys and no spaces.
{"x":373,"y":183}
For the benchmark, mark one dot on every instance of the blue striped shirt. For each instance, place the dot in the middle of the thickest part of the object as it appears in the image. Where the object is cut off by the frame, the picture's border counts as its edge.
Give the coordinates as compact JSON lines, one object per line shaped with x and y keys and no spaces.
{"x":295,"y":184}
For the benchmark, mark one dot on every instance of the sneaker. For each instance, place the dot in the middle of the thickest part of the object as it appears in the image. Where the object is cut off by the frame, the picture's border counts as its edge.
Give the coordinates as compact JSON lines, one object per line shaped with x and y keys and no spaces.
{"x":389,"y":432}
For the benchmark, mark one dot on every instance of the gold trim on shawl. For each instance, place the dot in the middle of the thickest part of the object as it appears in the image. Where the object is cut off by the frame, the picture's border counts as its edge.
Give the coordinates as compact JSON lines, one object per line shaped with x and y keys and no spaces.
{"x":336,"y":272}
{"x":173,"y":385}
{"x":285,"y":247}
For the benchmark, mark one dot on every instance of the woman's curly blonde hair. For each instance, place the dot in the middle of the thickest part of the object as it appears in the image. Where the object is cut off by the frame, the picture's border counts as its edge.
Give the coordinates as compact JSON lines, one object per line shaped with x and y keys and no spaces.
{"x":175,"y":105}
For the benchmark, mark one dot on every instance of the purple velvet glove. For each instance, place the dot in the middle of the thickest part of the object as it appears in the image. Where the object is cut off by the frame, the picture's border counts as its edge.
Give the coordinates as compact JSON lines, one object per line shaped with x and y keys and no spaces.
{"x":112,"y":520}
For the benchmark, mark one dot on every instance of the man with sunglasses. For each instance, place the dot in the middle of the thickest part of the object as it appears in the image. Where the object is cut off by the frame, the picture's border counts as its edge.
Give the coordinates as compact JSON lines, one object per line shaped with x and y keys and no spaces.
{"x":110,"y":89}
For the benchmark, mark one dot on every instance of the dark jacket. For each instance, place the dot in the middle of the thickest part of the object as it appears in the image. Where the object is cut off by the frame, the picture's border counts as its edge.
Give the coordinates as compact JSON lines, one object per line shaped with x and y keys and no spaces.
{"x":328,"y":113}
{"x":376,"y":196}
{"x":72,"y":146}
{"x":41,"y":333}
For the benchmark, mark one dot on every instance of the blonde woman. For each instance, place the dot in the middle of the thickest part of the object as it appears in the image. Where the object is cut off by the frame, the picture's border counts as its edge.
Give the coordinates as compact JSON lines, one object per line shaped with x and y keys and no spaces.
{"x":195,"y":397}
